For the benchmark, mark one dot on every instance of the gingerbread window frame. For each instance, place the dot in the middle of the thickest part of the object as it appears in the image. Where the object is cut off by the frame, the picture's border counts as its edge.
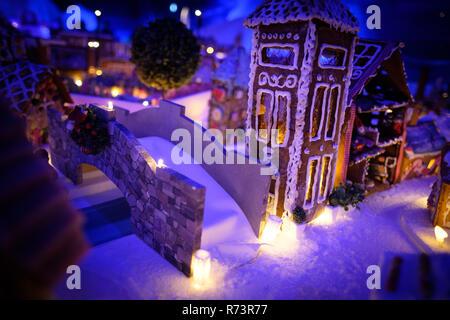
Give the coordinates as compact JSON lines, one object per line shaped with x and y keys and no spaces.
{"x":336,"y":48}
{"x":293,"y":46}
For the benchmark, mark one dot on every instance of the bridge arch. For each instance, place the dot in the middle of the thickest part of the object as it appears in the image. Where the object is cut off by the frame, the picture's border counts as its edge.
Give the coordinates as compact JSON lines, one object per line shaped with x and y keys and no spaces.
{"x":166,"y":207}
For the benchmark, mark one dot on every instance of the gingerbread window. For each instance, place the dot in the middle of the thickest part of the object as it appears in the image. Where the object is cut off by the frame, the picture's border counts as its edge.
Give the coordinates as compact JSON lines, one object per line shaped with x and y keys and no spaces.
{"x":264,"y":113}
{"x":281,"y":117}
{"x":312,"y":177}
{"x":332,"y":57}
{"x":333,"y":107}
{"x":279,"y":55}
{"x":318,"y":111}
{"x":324,"y":176}
{"x":364,"y":55}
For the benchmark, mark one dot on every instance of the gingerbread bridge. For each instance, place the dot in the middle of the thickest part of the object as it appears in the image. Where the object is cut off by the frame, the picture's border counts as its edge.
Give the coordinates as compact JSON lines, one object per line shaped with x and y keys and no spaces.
{"x":166,"y":207}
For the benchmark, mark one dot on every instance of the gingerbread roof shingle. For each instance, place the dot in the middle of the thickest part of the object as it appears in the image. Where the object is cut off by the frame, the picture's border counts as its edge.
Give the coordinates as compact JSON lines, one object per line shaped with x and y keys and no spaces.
{"x":332,"y":12}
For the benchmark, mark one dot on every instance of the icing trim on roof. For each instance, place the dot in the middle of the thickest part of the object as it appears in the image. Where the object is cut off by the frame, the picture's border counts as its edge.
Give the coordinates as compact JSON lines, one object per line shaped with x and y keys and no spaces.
{"x":332,"y":12}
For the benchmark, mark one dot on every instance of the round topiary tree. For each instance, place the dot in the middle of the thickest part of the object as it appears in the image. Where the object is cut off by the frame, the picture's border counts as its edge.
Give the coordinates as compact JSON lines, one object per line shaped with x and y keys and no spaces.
{"x":166,"y":54}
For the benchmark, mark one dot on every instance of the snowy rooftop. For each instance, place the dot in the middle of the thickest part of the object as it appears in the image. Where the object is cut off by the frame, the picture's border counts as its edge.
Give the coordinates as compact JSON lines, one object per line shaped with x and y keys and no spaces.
{"x":332,"y":12}
{"x":424,"y":137}
{"x":235,"y":67}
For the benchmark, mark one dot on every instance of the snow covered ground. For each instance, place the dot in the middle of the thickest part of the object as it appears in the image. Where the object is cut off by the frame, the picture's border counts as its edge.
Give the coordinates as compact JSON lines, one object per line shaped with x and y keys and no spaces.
{"x":328,"y":260}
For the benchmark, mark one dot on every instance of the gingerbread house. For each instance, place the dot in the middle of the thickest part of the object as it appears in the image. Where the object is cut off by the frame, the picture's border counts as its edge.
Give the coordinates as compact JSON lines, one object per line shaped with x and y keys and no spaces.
{"x":373,"y":136}
{"x":301,"y":67}
{"x":31,"y":87}
{"x":439,"y":199}
{"x":422,"y":155}
{"x":228,"y":104}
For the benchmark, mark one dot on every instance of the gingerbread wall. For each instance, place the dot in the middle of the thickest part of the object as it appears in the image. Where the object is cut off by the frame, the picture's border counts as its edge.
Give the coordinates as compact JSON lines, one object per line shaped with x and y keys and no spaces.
{"x":166,"y":207}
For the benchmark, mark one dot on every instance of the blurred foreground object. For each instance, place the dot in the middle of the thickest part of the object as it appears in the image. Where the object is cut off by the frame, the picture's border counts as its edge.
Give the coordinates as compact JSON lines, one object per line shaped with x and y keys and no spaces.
{"x":40,"y":232}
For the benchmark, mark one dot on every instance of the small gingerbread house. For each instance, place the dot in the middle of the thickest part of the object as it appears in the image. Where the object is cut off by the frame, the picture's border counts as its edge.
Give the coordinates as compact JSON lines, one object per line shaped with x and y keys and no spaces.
{"x":31,"y":87}
{"x":301,"y":65}
{"x":228,"y":104}
{"x":374,"y":132}
{"x":422,"y":155}
{"x":439,"y":200}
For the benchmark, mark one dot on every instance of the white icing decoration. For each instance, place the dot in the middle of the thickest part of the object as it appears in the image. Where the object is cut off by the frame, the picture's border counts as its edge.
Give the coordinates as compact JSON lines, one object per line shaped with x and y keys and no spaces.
{"x":269,"y":36}
{"x":331,"y":78}
{"x":289,"y":35}
{"x":275,"y":35}
{"x":331,"y":12}
{"x":263,"y":36}
{"x":306,"y":150}
{"x":302,"y":94}
{"x":281,"y":36}
{"x":275,"y":81}
{"x":254,"y":59}
{"x":319,"y":77}
{"x":296,"y":37}
{"x":321,"y":147}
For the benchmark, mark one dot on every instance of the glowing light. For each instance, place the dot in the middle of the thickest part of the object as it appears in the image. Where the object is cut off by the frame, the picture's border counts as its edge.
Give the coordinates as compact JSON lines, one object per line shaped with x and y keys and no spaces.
{"x":99,"y":72}
{"x":145,"y":103}
{"x":110,"y":106}
{"x":15,"y":24}
{"x":115,"y":91}
{"x":173,"y":7}
{"x":389,"y":111}
{"x":272,"y":229}
{"x":93,"y":44}
{"x":221,"y":55}
{"x":440,"y":234}
{"x":210,"y":50}
{"x":201,"y":267}
{"x":78,"y":83}
{"x":431,"y":163}
{"x":160,"y":163}
{"x":325,"y":218}
{"x":91,"y":70}
{"x":98,"y":13}
{"x":198,"y":13}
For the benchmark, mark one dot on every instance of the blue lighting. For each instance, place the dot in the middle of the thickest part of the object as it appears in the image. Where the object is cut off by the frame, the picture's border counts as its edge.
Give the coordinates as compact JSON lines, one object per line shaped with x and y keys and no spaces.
{"x":173,"y":7}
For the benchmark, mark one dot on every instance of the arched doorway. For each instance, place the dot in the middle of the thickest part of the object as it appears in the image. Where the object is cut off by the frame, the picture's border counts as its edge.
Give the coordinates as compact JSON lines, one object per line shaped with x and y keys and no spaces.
{"x":103,"y":205}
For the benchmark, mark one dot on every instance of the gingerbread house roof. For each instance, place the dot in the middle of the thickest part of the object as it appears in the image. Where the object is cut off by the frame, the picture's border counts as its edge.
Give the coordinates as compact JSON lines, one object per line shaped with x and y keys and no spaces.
{"x":378,"y":63}
{"x":424,"y":138}
{"x":332,"y":12}
{"x":235,"y":69}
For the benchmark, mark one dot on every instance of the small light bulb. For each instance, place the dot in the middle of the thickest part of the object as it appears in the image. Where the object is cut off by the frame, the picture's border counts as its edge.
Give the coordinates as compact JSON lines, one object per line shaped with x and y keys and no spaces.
{"x":210,"y":50}
{"x":198,"y":13}
{"x":145,"y":103}
{"x":440,"y":234}
{"x":98,"y":13}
